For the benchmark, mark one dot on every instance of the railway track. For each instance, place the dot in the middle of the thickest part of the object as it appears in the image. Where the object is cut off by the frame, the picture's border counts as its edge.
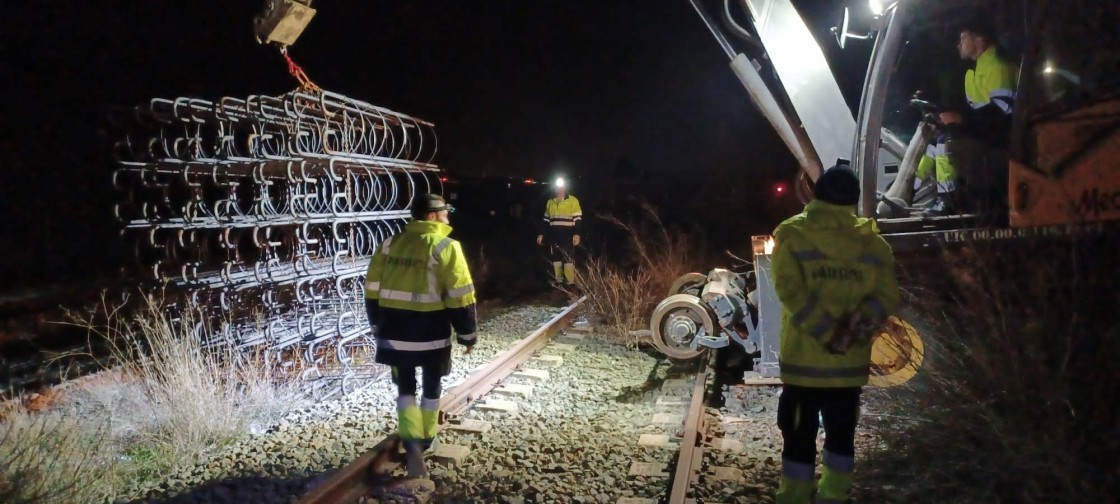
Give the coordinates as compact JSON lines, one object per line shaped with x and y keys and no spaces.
{"x":373,"y":469}
{"x":681,"y":450}
{"x":691,"y":455}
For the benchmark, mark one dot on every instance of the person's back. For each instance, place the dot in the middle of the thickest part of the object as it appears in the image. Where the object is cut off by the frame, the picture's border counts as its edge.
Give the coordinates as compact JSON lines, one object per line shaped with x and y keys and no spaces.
{"x":834,"y":276}
{"x":407,"y":294}
{"x":418,"y":287}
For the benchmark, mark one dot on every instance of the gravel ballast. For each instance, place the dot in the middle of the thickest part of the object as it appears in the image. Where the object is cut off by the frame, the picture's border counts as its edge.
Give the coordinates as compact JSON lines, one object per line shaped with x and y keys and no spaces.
{"x":574,"y":438}
{"x":281,"y":463}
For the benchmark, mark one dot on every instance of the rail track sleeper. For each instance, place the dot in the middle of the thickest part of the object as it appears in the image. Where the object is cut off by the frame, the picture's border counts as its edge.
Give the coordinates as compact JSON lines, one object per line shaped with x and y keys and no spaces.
{"x":353,"y":481}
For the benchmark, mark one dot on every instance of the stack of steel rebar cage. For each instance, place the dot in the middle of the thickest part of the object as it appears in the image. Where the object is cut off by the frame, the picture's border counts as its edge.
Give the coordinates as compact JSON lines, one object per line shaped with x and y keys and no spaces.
{"x":262,"y":213}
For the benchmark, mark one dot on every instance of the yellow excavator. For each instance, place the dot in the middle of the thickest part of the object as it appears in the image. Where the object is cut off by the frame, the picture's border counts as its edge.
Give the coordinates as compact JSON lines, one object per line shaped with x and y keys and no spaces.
{"x":1060,"y":162}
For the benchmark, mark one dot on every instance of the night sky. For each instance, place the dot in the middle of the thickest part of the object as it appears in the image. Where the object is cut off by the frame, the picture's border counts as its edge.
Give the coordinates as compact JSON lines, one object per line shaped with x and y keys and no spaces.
{"x":514,"y":88}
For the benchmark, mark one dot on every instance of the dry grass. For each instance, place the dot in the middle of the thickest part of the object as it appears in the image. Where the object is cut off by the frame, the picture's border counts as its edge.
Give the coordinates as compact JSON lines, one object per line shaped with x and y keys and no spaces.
{"x":199,"y":397}
{"x":180,"y":400}
{"x":191,"y":399}
{"x":622,"y":292}
{"x":51,"y":458}
{"x":1016,"y":402}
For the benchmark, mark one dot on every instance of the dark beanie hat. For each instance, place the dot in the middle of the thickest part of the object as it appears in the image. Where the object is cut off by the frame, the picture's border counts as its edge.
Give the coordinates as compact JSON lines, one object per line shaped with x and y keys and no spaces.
{"x":980,"y":24}
{"x":838,"y":185}
{"x":425,"y":203}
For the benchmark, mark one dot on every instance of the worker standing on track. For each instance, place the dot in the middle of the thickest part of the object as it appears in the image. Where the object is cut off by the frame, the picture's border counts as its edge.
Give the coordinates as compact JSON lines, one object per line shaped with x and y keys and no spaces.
{"x":834,"y":276}
{"x":417,"y":289}
{"x":562,"y":224}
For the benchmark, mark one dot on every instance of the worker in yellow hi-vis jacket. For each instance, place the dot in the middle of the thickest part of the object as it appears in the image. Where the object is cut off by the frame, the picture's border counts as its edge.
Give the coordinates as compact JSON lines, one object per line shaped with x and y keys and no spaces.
{"x":834,"y":275}
{"x":562,"y":223}
{"x":417,"y":289}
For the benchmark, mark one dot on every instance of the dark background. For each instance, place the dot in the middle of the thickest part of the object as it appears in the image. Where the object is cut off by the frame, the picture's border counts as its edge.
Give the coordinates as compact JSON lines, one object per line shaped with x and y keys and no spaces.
{"x":632,"y":99}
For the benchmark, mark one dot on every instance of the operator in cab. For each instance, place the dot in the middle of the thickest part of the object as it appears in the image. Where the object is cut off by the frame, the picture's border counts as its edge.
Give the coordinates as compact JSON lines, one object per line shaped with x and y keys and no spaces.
{"x":978,"y":153}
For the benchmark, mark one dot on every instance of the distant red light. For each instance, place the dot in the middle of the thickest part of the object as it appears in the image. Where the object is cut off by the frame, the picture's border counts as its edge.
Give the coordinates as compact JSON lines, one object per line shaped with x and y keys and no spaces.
{"x":528,"y":181}
{"x":443,"y":179}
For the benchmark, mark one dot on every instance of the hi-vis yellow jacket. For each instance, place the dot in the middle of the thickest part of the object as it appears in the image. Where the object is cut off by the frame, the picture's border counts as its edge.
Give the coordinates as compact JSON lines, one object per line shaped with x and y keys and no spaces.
{"x":417,"y":287}
{"x":828,"y":263}
{"x":562,"y":218}
{"x":992,"y":82}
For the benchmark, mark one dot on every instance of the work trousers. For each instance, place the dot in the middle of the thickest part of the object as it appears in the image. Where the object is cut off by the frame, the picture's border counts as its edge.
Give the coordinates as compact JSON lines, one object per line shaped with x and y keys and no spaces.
{"x":405,"y":378}
{"x":562,"y":253}
{"x":800,"y":410}
{"x":983,"y":169}
{"x":418,"y":422}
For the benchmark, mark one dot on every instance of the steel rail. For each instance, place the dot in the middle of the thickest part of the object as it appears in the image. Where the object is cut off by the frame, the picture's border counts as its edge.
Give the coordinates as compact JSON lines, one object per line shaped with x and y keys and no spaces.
{"x":361,"y":476}
{"x":691,"y":456}
{"x":458,"y":399}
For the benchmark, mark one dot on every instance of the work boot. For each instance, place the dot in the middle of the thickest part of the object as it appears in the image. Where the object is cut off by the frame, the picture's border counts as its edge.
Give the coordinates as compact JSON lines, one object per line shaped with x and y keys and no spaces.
{"x":796,"y":485}
{"x":429,"y":414}
{"x":414,"y":459}
{"x":835,"y":484}
{"x":942,"y":204}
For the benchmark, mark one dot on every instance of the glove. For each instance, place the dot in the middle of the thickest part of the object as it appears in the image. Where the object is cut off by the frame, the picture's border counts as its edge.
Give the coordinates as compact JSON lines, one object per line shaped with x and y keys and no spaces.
{"x":852,"y":329}
{"x":842,"y":336}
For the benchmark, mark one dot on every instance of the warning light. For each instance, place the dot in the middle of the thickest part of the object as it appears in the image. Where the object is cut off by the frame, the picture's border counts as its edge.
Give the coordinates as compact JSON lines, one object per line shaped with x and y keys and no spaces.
{"x":443,"y":179}
{"x":528,"y":181}
{"x":779,"y":189}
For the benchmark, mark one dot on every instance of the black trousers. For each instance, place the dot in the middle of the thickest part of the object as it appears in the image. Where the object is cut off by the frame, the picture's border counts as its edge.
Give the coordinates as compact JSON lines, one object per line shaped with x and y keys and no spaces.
{"x":560,"y":245}
{"x":799,"y":410}
{"x":405,"y":378}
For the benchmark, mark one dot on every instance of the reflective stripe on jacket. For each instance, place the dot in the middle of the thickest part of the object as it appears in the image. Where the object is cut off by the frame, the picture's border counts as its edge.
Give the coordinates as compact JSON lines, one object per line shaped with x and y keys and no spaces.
{"x":829,"y":263}
{"x":419,"y":286}
{"x":563,"y":216}
{"x":991,"y":82}
{"x":936,"y":164}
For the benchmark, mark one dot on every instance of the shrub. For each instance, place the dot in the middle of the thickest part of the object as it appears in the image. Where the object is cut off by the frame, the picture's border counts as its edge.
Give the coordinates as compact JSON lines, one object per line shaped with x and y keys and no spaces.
{"x":180,"y":398}
{"x":623,"y":291}
{"x":52,"y":458}
{"x":1016,"y":401}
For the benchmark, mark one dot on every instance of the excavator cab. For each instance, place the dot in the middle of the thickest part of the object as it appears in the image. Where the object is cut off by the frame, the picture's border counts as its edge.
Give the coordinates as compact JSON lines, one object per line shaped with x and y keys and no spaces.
{"x":955,"y":169}
{"x":1054,"y":160}
{"x":1049,"y":167}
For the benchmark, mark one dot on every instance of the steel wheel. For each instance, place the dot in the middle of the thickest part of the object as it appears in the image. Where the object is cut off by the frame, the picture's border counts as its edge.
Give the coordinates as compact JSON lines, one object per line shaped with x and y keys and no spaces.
{"x":689,"y":283}
{"x":677,"y":321}
{"x":897,"y":353}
